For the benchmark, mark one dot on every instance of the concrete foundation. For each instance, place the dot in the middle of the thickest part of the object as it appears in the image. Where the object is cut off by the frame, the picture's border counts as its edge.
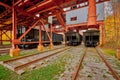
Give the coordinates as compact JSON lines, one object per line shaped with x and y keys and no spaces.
{"x":50,"y":46}
{"x":40,"y":47}
{"x":14,"y":52}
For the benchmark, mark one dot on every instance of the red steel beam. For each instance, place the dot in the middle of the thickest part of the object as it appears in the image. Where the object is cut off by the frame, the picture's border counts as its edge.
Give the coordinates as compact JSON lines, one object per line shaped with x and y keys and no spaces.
{"x":3,"y":32}
{"x":18,"y":2}
{"x":7,"y":35}
{"x":39,"y":5}
{"x":51,"y":33}
{"x":103,"y":32}
{"x":101,"y":22}
{"x":61,"y":21}
{"x":40,"y":35}
{"x":0,"y":37}
{"x":5,"y":40}
{"x":5,"y":5}
{"x":14,"y":25}
{"x":28,"y":30}
{"x":45,"y":30}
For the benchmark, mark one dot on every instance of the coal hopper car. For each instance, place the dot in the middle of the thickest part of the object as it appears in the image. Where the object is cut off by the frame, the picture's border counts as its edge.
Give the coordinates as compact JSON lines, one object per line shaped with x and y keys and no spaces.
{"x":91,"y":38}
{"x":73,"y":38}
{"x":33,"y":36}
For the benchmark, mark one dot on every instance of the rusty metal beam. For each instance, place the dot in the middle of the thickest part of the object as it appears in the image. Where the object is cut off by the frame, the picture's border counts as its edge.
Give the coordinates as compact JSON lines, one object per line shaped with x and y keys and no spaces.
{"x":45,"y":30}
{"x":28,"y":30}
{"x":101,"y":22}
{"x":40,"y":35}
{"x":6,"y":35}
{"x":5,"y":5}
{"x":61,"y":20}
{"x":0,"y":37}
{"x":39,"y":5}
{"x":51,"y":33}
{"x":14,"y":25}
{"x":24,"y":12}
{"x":17,"y":2}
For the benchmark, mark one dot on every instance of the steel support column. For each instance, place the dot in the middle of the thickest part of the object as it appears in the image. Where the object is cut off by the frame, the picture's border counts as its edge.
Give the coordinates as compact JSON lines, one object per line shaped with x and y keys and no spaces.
{"x":11,"y":36}
{"x":1,"y":43}
{"x":45,"y":30}
{"x":50,"y":46}
{"x":61,"y":21}
{"x":15,"y":50}
{"x":102,"y":31}
{"x":92,"y":13}
{"x":40,"y":46}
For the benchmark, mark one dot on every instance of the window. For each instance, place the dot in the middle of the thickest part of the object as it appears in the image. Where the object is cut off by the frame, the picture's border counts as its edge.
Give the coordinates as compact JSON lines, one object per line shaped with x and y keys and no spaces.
{"x":73,"y":18}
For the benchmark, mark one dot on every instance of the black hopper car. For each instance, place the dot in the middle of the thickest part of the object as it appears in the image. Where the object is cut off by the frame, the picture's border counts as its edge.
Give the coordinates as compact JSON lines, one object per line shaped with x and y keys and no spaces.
{"x":73,"y":38}
{"x":33,"y":36}
{"x":91,"y":38}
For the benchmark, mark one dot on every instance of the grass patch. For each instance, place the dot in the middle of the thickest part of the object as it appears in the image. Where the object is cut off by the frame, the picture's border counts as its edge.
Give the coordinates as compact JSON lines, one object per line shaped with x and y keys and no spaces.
{"x":6,"y":74}
{"x":109,"y":51}
{"x":5,"y":57}
{"x":6,"y":43}
{"x":45,"y":73}
{"x":22,"y":53}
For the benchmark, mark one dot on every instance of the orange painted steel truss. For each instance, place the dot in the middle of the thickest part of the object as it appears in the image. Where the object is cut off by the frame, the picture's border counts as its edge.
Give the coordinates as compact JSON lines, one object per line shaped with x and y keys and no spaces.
{"x":23,"y":12}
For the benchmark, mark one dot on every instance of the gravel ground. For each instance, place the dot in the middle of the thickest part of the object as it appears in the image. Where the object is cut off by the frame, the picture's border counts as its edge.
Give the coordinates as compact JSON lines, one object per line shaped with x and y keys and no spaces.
{"x":114,"y":62}
{"x":74,"y":56}
{"x":93,"y":68}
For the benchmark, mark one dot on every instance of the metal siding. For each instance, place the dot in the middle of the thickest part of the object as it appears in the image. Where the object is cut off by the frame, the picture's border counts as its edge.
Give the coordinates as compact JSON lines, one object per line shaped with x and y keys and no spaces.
{"x":82,"y":14}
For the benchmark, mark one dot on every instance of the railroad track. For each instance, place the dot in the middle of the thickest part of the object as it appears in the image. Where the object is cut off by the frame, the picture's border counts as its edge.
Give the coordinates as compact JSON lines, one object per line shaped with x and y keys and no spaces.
{"x":4,"y":51}
{"x":78,"y":69}
{"x":18,"y":64}
{"x":115,"y":75}
{"x":79,"y":65}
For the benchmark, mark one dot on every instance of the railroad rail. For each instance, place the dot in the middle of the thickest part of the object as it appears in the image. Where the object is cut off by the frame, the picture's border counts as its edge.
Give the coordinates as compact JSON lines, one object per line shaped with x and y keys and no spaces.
{"x":4,"y":51}
{"x":78,"y":69}
{"x":30,"y":55}
{"x":79,"y":65}
{"x":115,"y":75}
{"x":18,"y":63}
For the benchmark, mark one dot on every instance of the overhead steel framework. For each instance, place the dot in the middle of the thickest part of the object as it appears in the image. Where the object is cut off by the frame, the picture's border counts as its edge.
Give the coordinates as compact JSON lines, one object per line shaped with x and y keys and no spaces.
{"x":23,"y":12}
